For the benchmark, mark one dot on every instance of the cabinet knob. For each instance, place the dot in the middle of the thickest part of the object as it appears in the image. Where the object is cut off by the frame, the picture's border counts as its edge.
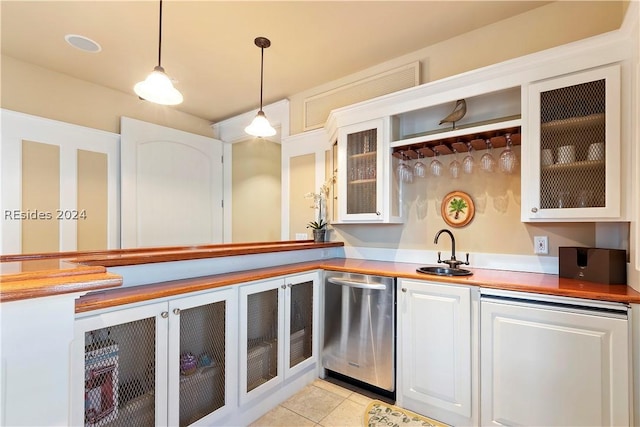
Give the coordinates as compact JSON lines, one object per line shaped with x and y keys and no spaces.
{"x":176,"y":311}
{"x":289,"y":284}
{"x":164,"y":314}
{"x":534,"y":210}
{"x":378,"y":213}
{"x":404,"y":289}
{"x":284,"y":286}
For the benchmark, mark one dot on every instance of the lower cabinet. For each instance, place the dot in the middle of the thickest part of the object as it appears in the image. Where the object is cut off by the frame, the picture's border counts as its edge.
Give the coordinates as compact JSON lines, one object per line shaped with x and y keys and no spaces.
{"x":278,"y":332}
{"x":164,"y":363}
{"x":554,"y":364}
{"x":437,"y":350}
{"x":196,"y":360}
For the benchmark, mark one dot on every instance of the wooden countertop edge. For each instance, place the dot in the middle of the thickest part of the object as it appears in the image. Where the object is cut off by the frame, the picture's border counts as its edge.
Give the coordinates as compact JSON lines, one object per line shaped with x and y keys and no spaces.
{"x":122,"y":296}
{"x":129,"y":295}
{"x":60,"y":285}
{"x":120,"y":260}
{"x":28,"y":276}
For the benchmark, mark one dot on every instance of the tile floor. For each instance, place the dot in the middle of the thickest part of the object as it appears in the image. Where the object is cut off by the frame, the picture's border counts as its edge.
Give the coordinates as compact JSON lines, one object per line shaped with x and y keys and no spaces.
{"x":320,"y":404}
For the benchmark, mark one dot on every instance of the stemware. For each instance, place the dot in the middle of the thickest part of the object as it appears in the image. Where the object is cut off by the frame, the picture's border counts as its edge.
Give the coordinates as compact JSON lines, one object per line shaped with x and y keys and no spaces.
{"x":419,"y":168}
{"x":455,"y":166}
{"x":468,"y":163}
{"x":405,"y":173}
{"x":487,"y":162}
{"x":508,"y":161}
{"x":436,"y":166}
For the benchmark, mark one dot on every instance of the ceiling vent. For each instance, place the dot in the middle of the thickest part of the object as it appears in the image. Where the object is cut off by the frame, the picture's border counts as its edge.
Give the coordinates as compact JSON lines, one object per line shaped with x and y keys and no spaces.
{"x":318,"y":107}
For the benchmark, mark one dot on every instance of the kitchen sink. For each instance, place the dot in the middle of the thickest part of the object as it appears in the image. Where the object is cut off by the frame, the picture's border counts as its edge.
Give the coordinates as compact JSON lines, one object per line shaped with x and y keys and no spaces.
{"x":444,"y":271}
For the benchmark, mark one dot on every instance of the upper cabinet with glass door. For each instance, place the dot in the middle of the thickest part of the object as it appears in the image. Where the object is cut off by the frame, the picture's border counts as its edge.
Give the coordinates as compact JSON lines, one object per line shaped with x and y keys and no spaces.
{"x":573,"y":147}
{"x":367,"y":190}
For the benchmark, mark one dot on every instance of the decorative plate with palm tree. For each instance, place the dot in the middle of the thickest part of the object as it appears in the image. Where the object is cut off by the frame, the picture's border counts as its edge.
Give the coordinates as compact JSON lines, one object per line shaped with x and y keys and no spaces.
{"x":457,"y":209}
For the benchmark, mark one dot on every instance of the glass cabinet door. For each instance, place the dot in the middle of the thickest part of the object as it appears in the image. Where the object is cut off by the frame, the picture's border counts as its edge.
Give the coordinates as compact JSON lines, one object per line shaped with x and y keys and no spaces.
{"x":575,"y":123}
{"x":360,"y":171}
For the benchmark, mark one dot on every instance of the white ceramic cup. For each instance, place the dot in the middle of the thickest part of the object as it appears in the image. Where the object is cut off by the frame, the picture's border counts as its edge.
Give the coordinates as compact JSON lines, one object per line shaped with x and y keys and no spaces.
{"x":596,"y":151}
{"x":546,"y":157}
{"x":566,"y":154}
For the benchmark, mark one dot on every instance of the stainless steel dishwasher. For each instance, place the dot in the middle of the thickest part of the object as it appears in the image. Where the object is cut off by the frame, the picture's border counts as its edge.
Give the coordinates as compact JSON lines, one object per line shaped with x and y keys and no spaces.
{"x":359,"y":328}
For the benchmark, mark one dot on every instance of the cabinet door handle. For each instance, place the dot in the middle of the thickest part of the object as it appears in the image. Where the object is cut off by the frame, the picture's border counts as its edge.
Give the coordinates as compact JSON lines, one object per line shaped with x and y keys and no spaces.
{"x":289,"y":285}
{"x":284,"y":286}
{"x":378,"y":213}
{"x":164,"y":314}
{"x":534,"y":210}
{"x":404,"y":289}
{"x":176,"y":311}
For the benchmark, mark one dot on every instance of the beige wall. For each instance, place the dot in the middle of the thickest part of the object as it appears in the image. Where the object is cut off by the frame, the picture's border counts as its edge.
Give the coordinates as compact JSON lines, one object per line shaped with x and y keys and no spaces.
{"x":41,"y":92}
{"x":256,"y":191}
{"x":40,"y":197}
{"x":551,"y":25}
{"x":92,"y":200}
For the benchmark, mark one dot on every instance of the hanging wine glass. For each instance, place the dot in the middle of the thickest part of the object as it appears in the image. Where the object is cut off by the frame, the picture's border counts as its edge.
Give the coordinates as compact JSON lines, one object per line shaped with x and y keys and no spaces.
{"x":508,"y":161}
{"x":405,"y":173}
{"x":419,"y":168}
{"x":455,"y":166}
{"x":436,"y":166}
{"x":487,"y":162}
{"x":468,"y":163}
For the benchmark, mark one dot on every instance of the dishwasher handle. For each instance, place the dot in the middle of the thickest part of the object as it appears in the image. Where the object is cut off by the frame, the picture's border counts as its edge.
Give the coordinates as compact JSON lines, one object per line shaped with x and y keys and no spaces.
{"x":357,"y":283}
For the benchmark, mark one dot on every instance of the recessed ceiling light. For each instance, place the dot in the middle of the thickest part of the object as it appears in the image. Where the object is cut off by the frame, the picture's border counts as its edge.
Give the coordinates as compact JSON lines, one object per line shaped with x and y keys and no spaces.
{"x":83,"y":43}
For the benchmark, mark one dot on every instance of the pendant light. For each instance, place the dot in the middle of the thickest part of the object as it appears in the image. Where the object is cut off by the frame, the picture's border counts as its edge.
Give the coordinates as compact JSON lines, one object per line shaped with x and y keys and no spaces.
{"x":260,"y":126}
{"x":157,"y":87}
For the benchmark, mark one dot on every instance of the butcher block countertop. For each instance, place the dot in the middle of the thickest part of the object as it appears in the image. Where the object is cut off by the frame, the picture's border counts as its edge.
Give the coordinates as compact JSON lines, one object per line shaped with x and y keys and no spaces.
{"x":23,"y":277}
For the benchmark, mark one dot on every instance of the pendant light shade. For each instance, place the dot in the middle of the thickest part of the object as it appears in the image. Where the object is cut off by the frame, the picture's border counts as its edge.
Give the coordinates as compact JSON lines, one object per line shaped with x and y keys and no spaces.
{"x":157,"y":87}
{"x":260,"y":126}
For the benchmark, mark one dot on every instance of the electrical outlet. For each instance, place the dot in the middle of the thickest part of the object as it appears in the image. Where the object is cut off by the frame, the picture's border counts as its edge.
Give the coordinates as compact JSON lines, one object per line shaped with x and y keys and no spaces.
{"x":541,"y":245}
{"x":302,"y":236}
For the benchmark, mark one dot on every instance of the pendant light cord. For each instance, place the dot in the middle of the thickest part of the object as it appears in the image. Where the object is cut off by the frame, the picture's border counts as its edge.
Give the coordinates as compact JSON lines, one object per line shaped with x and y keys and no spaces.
{"x":160,"y":38}
{"x":261,"y":74}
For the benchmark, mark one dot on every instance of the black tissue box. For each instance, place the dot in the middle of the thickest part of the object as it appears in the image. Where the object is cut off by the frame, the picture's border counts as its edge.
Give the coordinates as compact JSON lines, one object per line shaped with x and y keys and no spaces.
{"x":598,"y":265}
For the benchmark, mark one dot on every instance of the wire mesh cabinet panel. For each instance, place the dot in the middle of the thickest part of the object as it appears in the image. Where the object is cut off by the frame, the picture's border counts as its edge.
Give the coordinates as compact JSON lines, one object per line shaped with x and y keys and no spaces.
{"x":301,"y":325}
{"x":364,"y":193}
{"x":165,"y":363}
{"x":572,"y":167}
{"x":261,"y":328}
{"x":201,"y":357}
{"x":119,"y":368}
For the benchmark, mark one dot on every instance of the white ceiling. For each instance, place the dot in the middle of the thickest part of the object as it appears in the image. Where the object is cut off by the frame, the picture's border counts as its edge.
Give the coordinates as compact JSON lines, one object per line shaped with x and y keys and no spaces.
{"x":207,"y":46}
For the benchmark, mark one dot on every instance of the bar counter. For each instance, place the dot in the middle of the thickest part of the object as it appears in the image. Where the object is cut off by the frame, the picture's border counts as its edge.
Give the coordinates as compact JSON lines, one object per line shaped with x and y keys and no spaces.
{"x":30,"y":276}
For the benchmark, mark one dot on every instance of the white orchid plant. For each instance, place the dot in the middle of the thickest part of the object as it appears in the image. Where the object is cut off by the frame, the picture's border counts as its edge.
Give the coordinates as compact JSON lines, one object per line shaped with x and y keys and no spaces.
{"x":320,"y":204}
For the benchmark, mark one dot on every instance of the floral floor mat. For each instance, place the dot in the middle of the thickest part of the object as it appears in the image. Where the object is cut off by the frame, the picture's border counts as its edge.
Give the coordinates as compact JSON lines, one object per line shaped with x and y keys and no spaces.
{"x":380,"y":414}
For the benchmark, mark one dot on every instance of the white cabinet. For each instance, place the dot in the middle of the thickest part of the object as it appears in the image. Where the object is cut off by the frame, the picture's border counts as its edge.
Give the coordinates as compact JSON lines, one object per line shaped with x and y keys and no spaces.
{"x":437,"y":350}
{"x":368,"y":191}
{"x":554,"y":364}
{"x":278,"y":330}
{"x":572,"y":147}
{"x":164,"y":363}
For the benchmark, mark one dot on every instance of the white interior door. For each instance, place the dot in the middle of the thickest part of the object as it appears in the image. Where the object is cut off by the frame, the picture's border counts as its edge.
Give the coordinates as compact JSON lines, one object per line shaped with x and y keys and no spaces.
{"x":172,"y":186}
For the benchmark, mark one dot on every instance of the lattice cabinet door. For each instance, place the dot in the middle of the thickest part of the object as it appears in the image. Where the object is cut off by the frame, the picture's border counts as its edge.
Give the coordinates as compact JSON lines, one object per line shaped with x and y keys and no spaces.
{"x":301,"y":322}
{"x":571,"y":165}
{"x":119,"y":367}
{"x":202,"y":359}
{"x":261,"y":330}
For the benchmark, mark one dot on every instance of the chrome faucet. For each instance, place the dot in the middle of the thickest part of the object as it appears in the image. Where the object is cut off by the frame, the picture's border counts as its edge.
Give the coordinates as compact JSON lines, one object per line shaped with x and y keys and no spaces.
{"x":453,"y":263}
